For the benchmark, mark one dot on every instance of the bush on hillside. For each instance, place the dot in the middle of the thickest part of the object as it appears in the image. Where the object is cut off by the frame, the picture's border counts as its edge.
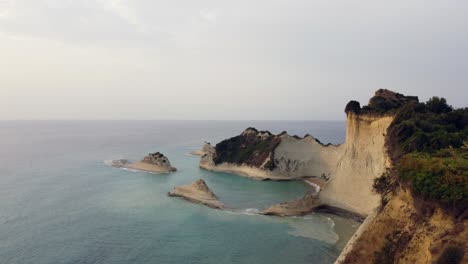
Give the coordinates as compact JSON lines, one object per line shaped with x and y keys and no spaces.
{"x":428,"y":145}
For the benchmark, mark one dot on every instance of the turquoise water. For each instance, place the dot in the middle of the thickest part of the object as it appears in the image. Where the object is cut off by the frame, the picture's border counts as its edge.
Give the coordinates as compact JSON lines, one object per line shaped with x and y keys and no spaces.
{"x":61,"y":203}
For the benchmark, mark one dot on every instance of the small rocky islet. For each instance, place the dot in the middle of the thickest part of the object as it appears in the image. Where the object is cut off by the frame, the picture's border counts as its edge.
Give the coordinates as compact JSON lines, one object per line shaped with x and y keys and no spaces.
{"x":153,"y":162}
{"x":198,"y":192}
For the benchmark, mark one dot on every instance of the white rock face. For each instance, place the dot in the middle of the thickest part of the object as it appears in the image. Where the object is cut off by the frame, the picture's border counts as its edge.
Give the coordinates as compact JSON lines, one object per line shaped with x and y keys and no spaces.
{"x":364,"y":159}
{"x":350,"y":167}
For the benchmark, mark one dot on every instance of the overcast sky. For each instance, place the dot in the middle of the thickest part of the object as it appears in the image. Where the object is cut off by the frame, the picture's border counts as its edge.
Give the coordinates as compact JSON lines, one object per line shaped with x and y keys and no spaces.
{"x":242,"y":59}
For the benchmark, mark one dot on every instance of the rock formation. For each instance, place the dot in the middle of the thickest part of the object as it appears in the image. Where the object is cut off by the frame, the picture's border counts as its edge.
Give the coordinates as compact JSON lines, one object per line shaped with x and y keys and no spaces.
{"x":400,"y":227}
{"x":349,"y":167}
{"x":153,"y":162}
{"x":298,"y":207}
{"x":197,"y":192}
{"x":206,"y":148}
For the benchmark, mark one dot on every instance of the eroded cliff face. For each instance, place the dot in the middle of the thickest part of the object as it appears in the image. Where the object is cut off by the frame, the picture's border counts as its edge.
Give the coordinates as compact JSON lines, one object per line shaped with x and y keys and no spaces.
{"x":299,"y":157}
{"x":350,"y":167}
{"x":363,"y":159}
{"x":408,"y":231}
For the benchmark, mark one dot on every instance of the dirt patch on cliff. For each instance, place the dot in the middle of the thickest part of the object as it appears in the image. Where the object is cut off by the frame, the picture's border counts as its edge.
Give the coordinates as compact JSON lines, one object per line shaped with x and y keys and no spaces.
{"x":407,"y":231}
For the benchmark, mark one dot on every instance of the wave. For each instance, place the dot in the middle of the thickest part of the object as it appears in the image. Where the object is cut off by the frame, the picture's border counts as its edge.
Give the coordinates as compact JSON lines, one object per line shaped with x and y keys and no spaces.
{"x":246,"y":211}
{"x":251,"y":211}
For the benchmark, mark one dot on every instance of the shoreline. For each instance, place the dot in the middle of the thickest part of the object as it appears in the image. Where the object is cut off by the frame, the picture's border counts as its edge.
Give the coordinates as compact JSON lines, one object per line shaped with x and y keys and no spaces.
{"x":248,"y":172}
{"x":352,"y":241}
{"x":139,"y":166}
{"x":314,"y":182}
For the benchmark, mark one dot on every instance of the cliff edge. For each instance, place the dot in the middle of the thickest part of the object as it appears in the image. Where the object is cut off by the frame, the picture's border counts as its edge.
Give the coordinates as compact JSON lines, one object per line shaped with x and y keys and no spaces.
{"x":348,"y":167}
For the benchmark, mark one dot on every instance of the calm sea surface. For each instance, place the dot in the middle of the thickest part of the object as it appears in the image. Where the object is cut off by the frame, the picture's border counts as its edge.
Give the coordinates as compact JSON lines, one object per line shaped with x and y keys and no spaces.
{"x":61,"y":203}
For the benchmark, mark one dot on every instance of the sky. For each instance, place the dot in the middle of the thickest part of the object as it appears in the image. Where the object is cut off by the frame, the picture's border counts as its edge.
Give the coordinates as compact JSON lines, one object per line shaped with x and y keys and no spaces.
{"x":225,"y":60}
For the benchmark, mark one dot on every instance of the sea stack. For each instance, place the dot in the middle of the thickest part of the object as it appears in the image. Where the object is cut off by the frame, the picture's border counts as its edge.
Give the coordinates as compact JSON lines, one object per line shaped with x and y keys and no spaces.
{"x":197,"y":192}
{"x":153,"y":162}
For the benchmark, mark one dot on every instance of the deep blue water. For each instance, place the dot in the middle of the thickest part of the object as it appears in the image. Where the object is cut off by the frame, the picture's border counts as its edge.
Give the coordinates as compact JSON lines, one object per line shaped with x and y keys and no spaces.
{"x":61,"y":203}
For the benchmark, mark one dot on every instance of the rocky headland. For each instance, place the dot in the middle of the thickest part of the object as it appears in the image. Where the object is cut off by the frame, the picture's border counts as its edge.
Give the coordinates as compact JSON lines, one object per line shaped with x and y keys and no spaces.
{"x":153,"y":162}
{"x":197,"y":192}
{"x":346,"y":167}
{"x":420,"y":149}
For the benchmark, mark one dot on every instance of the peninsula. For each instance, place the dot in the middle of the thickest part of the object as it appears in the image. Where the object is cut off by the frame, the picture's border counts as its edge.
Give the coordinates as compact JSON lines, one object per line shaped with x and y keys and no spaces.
{"x":402,"y":168}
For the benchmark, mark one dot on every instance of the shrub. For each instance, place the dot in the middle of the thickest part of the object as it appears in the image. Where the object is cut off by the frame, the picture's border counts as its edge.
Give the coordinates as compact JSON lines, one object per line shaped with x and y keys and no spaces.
{"x":383,"y":184}
{"x":247,"y":149}
{"x":440,"y":176}
{"x":428,"y":143}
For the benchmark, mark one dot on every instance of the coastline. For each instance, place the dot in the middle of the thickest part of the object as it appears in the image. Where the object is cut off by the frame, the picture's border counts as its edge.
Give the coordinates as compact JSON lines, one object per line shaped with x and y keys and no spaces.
{"x":248,"y":171}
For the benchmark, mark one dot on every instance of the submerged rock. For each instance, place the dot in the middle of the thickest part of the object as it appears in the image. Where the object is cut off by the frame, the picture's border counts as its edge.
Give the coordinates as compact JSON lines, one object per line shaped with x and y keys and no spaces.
{"x":120,"y":163}
{"x":197,"y":192}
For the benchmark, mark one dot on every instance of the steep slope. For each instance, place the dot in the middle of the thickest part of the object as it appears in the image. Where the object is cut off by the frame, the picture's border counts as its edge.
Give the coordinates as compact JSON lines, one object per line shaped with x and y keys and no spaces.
{"x":364,"y":158}
{"x":408,"y":231}
{"x":349,"y":167}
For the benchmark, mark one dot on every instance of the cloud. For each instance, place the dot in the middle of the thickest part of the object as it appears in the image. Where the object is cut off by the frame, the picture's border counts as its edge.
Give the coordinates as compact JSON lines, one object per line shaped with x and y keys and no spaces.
{"x":7,"y":8}
{"x":124,"y":11}
{"x":303,"y":59}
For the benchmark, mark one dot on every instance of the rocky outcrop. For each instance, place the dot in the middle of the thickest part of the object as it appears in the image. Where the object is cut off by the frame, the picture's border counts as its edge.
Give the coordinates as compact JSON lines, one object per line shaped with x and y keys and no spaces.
{"x":350,"y":167}
{"x":197,"y":192}
{"x":251,"y":148}
{"x":299,"y":207}
{"x":157,"y":159}
{"x":386,"y":102}
{"x":206,"y":148}
{"x":153,"y":162}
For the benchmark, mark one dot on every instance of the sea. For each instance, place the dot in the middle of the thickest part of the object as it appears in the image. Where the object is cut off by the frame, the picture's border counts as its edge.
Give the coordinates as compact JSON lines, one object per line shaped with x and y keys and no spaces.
{"x":60,"y":201}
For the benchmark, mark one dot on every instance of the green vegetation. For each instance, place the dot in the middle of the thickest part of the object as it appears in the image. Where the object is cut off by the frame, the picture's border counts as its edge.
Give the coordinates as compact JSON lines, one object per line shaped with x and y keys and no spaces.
{"x":428,"y":143}
{"x":250,"y":149}
{"x":437,"y":176}
{"x":385,"y":101}
{"x":383,"y":185}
